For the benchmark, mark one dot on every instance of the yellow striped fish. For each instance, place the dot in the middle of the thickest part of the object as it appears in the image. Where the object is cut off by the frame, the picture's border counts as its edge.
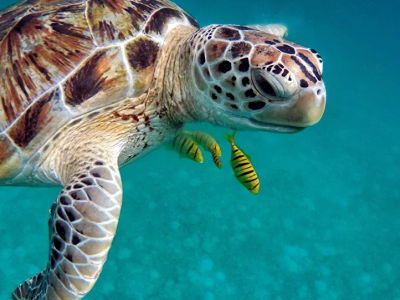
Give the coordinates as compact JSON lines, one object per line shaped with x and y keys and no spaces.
{"x":216,"y":159}
{"x":204,"y":139}
{"x":242,"y":167}
{"x":209,"y":144}
{"x":187,"y":147}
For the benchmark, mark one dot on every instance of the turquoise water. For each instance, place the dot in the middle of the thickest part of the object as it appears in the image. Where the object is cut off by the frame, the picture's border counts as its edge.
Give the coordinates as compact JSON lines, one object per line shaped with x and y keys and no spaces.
{"x":326,"y":222}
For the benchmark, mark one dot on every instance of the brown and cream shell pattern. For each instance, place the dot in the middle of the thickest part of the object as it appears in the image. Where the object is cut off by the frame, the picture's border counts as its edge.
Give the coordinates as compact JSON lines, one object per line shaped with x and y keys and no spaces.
{"x":61,"y":59}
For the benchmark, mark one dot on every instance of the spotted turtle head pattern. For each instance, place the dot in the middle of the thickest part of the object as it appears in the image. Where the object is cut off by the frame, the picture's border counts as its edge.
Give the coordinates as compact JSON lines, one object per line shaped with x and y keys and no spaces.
{"x":254,"y":79}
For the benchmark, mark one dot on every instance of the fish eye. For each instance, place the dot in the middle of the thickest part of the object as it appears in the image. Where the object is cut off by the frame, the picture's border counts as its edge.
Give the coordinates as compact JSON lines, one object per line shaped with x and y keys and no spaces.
{"x":263,"y":85}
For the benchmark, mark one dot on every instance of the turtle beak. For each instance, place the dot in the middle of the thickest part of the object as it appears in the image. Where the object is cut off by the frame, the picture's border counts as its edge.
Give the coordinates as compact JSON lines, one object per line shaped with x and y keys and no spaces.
{"x":304,"y":109}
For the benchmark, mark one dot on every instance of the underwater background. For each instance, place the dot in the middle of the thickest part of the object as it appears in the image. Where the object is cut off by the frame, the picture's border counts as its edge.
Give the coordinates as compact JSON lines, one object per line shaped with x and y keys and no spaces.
{"x":326,"y":223}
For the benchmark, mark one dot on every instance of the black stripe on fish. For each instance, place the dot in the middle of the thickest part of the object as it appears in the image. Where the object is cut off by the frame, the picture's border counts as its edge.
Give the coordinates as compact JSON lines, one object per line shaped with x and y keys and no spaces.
{"x":245,"y":173}
{"x":236,"y":161}
{"x":251,"y":180}
{"x":178,"y":141}
{"x":182,"y":144}
{"x":241,"y":165}
{"x":237,"y":157}
{"x":191,"y":146}
{"x":253,"y":187}
{"x":248,"y":168}
{"x":204,"y":138}
{"x":250,"y":176}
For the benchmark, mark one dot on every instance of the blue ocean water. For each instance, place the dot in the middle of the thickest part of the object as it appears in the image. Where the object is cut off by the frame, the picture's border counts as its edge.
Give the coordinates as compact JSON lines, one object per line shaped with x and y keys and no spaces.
{"x":326,"y":222}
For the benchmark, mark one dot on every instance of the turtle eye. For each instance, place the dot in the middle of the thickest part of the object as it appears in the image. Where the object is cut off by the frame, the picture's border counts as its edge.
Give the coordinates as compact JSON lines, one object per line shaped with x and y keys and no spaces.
{"x":263,"y":85}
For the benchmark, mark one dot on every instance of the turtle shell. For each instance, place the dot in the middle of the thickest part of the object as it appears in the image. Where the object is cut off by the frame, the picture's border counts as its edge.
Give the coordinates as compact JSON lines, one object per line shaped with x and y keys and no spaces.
{"x":60,"y":59}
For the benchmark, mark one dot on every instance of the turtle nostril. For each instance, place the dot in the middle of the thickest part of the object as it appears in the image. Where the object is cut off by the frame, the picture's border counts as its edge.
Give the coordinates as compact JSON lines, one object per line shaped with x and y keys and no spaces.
{"x":318,"y":91}
{"x":256,"y":105}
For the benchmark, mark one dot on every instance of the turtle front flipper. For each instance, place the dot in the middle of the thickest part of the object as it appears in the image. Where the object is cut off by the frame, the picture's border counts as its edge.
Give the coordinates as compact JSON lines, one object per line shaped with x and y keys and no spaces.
{"x":82,"y":226}
{"x":275,"y":29}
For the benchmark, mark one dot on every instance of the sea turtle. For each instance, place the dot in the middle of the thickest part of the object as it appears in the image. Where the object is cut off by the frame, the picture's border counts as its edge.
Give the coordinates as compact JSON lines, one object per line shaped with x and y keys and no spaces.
{"x":88,"y":86}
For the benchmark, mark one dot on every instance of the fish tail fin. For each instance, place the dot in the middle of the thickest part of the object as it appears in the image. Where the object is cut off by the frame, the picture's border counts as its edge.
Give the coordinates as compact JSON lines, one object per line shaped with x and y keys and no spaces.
{"x":230,"y":138}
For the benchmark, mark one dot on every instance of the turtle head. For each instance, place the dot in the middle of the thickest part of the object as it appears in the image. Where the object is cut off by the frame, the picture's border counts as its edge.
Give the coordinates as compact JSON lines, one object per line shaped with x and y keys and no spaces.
{"x":250,"y":79}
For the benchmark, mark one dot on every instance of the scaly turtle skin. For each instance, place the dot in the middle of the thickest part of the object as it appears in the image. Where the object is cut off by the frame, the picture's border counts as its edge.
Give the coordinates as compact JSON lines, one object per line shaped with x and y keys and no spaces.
{"x":87,"y":86}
